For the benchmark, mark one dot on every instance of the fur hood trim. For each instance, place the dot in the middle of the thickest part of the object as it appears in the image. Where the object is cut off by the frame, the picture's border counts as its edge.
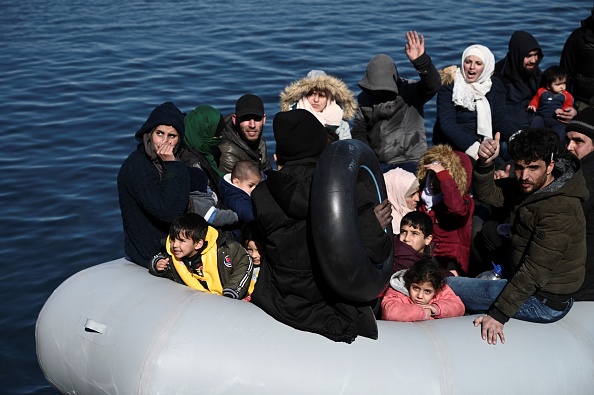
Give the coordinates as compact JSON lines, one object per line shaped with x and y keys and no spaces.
{"x":451,"y":161}
{"x":447,"y":74}
{"x":338,"y":89}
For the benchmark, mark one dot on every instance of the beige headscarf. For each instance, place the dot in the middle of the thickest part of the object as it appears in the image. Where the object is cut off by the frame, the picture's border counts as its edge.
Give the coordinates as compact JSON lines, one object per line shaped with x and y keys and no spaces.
{"x":399,"y":184}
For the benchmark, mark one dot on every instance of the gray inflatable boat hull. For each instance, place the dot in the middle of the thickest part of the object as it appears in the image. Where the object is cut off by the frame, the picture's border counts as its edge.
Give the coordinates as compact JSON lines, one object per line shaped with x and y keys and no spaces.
{"x":115,"y":329}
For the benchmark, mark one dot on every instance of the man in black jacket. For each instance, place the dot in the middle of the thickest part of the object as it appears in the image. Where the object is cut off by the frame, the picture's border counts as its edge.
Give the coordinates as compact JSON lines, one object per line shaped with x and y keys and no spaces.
{"x":580,"y":136}
{"x":242,"y":136}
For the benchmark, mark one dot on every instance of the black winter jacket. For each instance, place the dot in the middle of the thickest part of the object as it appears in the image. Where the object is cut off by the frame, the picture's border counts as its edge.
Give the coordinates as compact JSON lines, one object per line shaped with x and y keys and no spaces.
{"x":577,"y":59}
{"x":518,"y":88}
{"x":291,"y":287}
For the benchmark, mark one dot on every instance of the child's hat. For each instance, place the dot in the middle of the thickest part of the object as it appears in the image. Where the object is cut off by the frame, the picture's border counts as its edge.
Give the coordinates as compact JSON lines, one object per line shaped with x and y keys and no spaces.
{"x":198,"y":179}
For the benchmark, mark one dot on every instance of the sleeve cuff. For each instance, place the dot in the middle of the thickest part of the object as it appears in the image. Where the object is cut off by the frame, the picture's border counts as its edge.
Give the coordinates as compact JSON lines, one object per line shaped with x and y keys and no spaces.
{"x":230,"y":293}
{"x":498,"y":315}
{"x":472,"y":151}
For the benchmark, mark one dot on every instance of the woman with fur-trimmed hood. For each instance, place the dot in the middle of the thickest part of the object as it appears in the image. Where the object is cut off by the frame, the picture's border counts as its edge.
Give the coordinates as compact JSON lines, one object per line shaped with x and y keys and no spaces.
{"x":326,"y":97}
{"x":445,"y":176}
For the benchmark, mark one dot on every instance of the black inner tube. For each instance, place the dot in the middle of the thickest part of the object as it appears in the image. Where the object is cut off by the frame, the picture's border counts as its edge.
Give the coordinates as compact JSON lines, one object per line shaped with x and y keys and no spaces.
{"x":335,"y":221}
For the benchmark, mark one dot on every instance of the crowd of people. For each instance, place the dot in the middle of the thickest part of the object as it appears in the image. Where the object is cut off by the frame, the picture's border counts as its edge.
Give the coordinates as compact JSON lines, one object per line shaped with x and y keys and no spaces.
{"x":508,"y":179}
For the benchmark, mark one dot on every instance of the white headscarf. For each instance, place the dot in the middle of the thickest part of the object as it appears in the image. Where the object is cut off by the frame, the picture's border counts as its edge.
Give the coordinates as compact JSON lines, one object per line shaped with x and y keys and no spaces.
{"x":472,"y":95}
{"x":399,"y":185}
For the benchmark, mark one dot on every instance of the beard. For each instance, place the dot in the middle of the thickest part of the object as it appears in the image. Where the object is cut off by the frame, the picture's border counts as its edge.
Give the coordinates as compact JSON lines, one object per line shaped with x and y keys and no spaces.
{"x":534,"y":185}
{"x":253,"y":144}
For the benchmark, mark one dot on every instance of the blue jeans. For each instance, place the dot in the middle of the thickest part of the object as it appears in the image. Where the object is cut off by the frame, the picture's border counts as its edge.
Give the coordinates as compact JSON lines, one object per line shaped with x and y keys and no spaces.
{"x":479,"y":295}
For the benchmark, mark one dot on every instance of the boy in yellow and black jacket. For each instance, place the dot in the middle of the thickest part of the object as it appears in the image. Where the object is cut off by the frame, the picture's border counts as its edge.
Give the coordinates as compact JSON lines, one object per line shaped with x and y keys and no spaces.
{"x":204,"y":259}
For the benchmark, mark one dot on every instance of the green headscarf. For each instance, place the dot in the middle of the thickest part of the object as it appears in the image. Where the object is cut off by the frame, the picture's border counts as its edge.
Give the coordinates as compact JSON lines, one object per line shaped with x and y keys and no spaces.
{"x":201,"y":126}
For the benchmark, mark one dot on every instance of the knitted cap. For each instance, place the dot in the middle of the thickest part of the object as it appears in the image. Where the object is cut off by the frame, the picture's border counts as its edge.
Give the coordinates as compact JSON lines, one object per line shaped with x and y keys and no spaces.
{"x":582,"y":123}
{"x":198,"y":179}
{"x":249,"y":105}
{"x":298,"y":135}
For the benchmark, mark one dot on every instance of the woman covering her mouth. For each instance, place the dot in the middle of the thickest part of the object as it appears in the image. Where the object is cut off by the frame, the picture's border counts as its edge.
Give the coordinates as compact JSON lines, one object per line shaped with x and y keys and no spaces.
{"x":468,"y":107}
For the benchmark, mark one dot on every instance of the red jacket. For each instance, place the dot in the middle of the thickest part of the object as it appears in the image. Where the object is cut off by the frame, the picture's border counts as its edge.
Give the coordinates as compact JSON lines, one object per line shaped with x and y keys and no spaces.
{"x":452,"y":218}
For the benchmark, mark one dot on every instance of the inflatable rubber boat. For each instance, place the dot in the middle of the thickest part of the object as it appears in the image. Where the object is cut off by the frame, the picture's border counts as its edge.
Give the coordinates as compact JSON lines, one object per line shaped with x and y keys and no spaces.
{"x":115,"y":329}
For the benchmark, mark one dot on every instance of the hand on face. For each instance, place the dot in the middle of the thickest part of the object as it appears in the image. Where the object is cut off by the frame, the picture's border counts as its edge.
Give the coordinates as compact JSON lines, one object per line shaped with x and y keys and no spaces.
{"x":437,"y":167}
{"x":165,"y":152}
{"x":164,"y":140}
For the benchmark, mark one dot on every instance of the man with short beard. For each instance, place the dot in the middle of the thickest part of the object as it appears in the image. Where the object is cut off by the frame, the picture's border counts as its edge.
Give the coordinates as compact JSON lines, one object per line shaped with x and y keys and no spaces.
{"x":547,"y":234}
{"x":520,"y":73}
{"x":242,"y":136}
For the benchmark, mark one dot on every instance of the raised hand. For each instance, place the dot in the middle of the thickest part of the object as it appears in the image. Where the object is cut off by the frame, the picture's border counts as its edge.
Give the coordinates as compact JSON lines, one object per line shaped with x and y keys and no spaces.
{"x":489,"y":150}
{"x":415,"y":46}
{"x":502,"y":173}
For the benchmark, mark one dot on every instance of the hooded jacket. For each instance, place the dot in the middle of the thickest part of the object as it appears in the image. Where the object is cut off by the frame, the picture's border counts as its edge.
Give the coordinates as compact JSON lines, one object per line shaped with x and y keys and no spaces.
{"x":547,"y":234}
{"x":452,"y":217}
{"x":394,"y":127}
{"x":234,"y":149}
{"x":231,"y":272}
{"x":291,"y":287}
{"x":518,"y":88}
{"x":577,"y":59}
{"x":150,"y":201}
{"x":398,"y":306}
{"x":339,"y":91}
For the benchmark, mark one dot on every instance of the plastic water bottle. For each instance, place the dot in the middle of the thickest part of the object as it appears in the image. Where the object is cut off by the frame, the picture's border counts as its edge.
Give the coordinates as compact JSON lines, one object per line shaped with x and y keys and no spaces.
{"x":494,"y":274}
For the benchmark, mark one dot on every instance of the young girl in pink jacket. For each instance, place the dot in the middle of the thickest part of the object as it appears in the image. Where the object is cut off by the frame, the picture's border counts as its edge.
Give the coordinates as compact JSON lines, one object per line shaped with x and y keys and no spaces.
{"x":420,"y":293}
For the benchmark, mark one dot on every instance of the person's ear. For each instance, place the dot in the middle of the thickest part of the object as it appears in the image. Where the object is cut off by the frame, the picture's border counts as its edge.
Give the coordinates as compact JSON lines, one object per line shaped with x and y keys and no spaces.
{"x":264,"y":119}
{"x":550,"y":167}
{"x":428,"y":239}
{"x":234,"y":119}
{"x":198,"y":245}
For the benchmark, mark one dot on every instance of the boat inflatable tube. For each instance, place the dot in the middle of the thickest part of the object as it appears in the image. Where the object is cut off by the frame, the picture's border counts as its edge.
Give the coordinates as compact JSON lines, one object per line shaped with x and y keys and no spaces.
{"x":116,"y":329}
{"x":334,"y":218}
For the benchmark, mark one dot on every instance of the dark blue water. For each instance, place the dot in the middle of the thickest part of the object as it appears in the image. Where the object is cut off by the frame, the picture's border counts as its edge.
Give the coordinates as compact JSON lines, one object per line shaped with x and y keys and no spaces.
{"x":78,"y":78}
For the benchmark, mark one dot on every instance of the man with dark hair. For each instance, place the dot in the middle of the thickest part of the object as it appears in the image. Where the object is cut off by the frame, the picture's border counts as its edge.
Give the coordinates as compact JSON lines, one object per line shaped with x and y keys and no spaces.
{"x":242,"y":136}
{"x":520,"y":73}
{"x":547,"y":235}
